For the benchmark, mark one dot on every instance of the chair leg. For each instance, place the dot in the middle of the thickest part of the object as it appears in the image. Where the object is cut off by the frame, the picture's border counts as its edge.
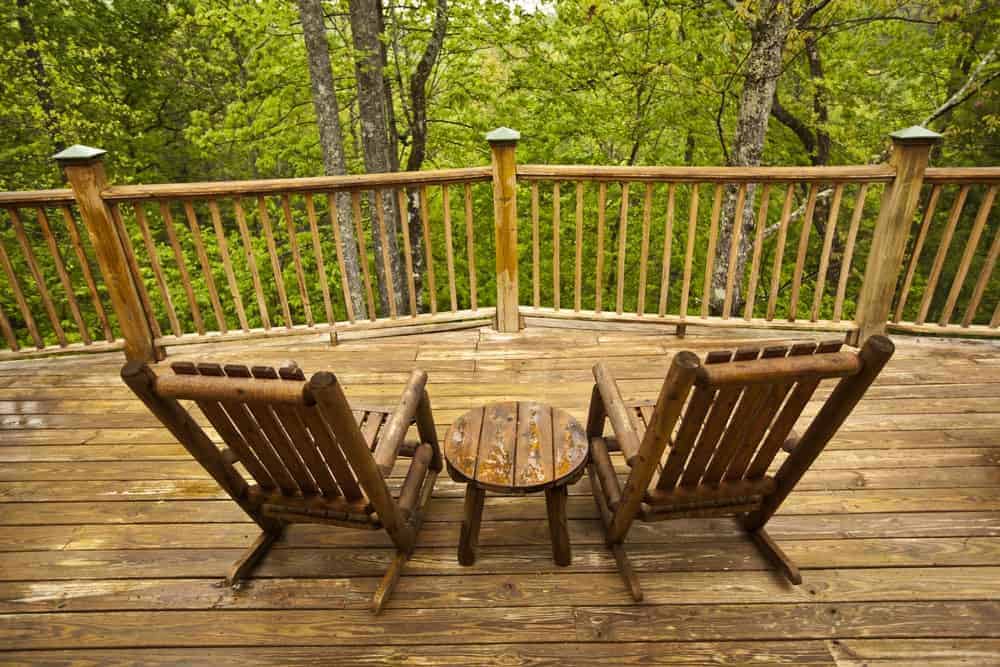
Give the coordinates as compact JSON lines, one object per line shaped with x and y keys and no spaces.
{"x":252,"y":556}
{"x":775,"y":555}
{"x":621,"y":558}
{"x":389,"y":580}
{"x":626,"y":571}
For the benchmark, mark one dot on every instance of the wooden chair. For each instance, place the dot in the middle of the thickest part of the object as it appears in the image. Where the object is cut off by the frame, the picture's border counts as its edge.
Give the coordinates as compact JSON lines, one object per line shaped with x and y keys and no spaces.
{"x":722,"y":424}
{"x":297,"y":453}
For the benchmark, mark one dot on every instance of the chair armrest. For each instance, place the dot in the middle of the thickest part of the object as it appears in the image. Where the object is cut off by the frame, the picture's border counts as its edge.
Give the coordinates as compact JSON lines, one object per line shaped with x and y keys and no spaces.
{"x":399,"y":421}
{"x":614,"y":408}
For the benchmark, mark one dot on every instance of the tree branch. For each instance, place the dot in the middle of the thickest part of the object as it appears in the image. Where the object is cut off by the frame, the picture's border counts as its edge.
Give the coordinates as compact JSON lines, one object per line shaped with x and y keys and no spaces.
{"x":967,"y":89}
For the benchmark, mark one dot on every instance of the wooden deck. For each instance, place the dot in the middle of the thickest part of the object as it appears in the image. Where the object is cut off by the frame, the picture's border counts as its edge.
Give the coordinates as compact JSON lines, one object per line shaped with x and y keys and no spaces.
{"x":114,"y":542}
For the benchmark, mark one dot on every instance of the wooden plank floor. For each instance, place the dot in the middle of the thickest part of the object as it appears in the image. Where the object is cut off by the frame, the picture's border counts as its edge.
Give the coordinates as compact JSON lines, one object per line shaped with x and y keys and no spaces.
{"x":113,"y":542}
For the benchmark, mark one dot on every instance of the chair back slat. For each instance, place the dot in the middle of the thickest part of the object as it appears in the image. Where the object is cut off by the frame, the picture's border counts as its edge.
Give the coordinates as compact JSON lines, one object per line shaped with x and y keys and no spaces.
{"x":250,"y":433}
{"x":224,"y":426}
{"x":735,"y":439}
{"x":733,"y":431}
{"x":715,"y":425}
{"x":691,"y":425}
{"x":753,"y":432}
{"x":283,"y":438}
{"x":326,"y":442}
{"x":271,"y":430}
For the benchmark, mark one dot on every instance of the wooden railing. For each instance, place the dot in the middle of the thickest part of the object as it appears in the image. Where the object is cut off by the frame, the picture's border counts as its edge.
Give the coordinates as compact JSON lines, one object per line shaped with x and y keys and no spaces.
{"x":844,"y":249}
{"x":950,"y":285}
{"x":663,"y":224}
{"x":259,"y":257}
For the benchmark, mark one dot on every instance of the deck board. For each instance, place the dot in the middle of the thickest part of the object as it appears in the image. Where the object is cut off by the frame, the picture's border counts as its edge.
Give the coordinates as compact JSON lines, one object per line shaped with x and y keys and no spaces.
{"x":113,"y":542}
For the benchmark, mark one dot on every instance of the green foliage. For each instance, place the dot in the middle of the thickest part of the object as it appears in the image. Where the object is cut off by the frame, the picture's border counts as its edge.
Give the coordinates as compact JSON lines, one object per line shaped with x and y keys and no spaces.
{"x":192,"y":90}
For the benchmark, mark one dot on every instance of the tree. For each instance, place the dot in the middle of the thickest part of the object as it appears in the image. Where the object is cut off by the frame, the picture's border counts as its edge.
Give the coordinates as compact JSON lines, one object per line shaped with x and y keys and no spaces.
{"x":415,"y":114}
{"x":374,"y":106}
{"x":769,"y":32}
{"x":331,"y":141}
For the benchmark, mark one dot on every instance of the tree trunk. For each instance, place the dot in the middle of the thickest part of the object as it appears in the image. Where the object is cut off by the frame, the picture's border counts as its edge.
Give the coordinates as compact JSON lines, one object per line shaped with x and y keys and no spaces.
{"x":373,"y":107}
{"x":38,"y":72}
{"x":418,"y":134}
{"x":763,"y":67}
{"x":331,"y":139}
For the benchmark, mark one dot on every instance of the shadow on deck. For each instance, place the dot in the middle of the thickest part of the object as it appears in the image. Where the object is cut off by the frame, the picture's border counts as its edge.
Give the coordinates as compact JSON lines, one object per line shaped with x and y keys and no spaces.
{"x":114,"y":541}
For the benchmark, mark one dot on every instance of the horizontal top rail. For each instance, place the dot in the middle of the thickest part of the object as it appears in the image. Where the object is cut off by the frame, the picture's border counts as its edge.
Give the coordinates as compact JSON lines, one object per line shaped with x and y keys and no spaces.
{"x":209,"y":189}
{"x":36,"y":197}
{"x":962,"y":175}
{"x":844,"y":174}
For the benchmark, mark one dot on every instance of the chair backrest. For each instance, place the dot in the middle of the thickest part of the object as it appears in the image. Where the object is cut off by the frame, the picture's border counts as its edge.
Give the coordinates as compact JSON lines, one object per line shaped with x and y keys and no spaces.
{"x":297,"y":440}
{"x":740,"y":410}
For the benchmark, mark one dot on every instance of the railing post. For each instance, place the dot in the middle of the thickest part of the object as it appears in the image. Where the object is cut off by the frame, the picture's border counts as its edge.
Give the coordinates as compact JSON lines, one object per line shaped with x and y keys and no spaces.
{"x":910,"y":150}
{"x":84,"y":169}
{"x":503,"y":143}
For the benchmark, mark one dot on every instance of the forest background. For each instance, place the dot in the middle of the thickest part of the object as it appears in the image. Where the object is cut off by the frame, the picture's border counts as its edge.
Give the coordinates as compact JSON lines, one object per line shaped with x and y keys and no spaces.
{"x":196,"y":90}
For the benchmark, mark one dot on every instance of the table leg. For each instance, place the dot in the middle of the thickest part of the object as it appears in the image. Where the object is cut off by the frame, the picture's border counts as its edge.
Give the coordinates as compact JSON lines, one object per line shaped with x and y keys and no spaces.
{"x":471,"y":518}
{"x":555,"y":503}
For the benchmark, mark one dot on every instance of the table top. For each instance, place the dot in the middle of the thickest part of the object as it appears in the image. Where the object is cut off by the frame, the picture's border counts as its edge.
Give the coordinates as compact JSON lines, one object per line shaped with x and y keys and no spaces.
{"x":516,"y":447}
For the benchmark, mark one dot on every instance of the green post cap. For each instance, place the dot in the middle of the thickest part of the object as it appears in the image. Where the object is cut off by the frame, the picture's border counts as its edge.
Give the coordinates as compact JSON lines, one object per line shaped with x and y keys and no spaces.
{"x":915,"y":133}
{"x":78,"y":153}
{"x":502,"y":135}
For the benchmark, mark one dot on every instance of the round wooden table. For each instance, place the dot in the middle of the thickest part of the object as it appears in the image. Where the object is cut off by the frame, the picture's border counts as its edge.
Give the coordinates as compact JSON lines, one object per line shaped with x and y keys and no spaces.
{"x":515,"y":448}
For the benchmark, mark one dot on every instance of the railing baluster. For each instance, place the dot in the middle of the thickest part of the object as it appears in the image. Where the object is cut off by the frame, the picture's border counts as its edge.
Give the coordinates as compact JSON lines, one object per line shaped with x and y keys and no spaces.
{"x":272,"y":251}
{"x":88,"y":276}
{"x":363,"y":254}
{"x":668,"y":237}
{"x":536,"y":290}
{"x":734,"y":248}
{"x":168,"y":225}
{"x":36,"y":274}
{"x":555,"y":245}
{"x":470,"y":248}
{"x":689,"y":250}
{"x":390,"y":287}
{"x":647,"y":205}
{"x":602,"y":200}
{"x":140,"y":284}
{"x":154,"y":262}
{"x":845,"y":262}
{"x":758,"y":244}
{"x":338,"y":246}
{"x":984,"y":278}
{"x":8,"y":332}
{"x":300,"y":278}
{"x":22,"y":303}
{"x":779,"y":251}
{"x":824,"y":258}
{"x":918,"y":246}
{"x":942,"y":253}
{"x":258,"y":288}
{"x":800,"y":258}
{"x":970,"y":250}
{"x":578,"y":263}
{"x":408,"y":250}
{"x":227,"y":262}
{"x":318,"y":254}
{"x":449,"y":251}
{"x":206,"y":267}
{"x":64,"y":279}
{"x":622,"y":247}
{"x":713,"y":238}
{"x":428,"y":250}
